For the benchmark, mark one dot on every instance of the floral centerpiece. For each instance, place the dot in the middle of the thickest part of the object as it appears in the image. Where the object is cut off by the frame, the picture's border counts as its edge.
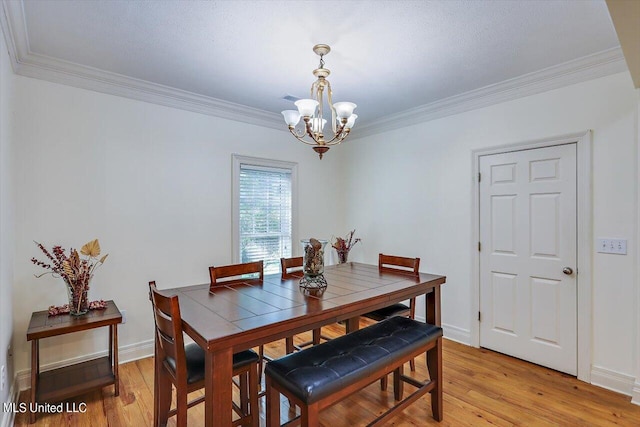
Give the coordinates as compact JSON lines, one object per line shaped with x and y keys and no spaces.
{"x":344,"y":245}
{"x":76,"y":272}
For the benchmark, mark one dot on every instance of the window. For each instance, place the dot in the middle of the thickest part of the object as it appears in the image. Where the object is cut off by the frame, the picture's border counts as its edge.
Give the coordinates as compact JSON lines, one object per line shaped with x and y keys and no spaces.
{"x":264,"y":215}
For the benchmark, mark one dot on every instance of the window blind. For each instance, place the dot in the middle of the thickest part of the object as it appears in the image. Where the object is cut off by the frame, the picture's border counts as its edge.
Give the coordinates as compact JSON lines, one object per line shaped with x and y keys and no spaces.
{"x":264,"y":208}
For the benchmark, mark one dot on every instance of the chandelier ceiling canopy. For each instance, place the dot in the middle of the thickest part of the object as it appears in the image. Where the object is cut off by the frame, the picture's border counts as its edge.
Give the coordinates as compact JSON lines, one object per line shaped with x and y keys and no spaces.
{"x":311,"y":112}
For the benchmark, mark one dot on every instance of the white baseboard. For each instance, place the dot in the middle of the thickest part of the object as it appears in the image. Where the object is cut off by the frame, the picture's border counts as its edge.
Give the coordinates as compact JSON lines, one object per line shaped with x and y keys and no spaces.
{"x":8,"y":418}
{"x":635,"y":393}
{"x":457,"y":334}
{"x":127,"y":353}
{"x":612,"y":380}
{"x":131,"y":352}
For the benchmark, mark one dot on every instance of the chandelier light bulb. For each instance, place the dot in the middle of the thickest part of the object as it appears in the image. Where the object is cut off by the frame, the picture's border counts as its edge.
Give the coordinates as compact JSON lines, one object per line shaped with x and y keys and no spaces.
{"x":291,"y":117}
{"x":306,"y":107}
{"x":316,"y":125}
{"x":351,"y":121}
{"x":344,"y":110}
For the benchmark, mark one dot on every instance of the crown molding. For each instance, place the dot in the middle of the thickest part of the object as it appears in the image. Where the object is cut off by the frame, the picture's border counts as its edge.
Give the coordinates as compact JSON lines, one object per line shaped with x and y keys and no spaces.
{"x":604,"y":63}
{"x":57,"y":71}
{"x":30,"y":64}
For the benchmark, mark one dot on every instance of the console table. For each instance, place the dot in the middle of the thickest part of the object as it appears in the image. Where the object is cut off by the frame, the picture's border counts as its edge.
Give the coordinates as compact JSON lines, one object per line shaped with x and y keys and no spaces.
{"x":59,"y":384}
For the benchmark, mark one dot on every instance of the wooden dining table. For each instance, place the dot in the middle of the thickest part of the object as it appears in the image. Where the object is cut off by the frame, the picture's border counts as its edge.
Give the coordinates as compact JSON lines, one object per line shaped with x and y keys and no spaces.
{"x":229,"y":319}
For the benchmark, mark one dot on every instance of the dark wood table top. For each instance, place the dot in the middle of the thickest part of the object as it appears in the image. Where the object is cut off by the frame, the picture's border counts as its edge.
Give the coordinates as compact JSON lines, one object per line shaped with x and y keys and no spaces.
{"x":254,"y":312}
{"x":42,"y":325}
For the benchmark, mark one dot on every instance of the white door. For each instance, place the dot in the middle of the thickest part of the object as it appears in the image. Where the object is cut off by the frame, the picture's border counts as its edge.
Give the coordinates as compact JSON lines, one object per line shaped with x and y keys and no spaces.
{"x":528,"y":285}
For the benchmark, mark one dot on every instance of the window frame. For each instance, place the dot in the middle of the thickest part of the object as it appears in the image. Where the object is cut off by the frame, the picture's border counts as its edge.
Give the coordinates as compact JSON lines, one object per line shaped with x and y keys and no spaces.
{"x":237,"y":161}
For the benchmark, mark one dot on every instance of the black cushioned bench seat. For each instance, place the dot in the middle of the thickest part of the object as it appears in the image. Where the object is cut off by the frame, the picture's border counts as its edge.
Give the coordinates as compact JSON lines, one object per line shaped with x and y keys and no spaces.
{"x":358,"y":358}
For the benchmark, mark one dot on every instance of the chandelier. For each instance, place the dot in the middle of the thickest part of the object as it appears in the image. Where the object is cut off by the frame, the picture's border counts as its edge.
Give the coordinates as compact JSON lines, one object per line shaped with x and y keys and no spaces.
{"x":311,"y":112}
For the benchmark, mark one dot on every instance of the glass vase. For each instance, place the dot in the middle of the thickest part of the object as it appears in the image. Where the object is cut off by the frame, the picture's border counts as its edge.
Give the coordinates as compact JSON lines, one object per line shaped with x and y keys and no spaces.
{"x":343,"y":255}
{"x":313,"y":256}
{"x":78,"y":299}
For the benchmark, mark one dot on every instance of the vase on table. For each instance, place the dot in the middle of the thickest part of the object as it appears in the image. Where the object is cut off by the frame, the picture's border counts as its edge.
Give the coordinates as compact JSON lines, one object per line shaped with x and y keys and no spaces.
{"x":343,"y":245}
{"x":78,"y":298}
{"x":313,"y":264}
{"x":343,"y":255}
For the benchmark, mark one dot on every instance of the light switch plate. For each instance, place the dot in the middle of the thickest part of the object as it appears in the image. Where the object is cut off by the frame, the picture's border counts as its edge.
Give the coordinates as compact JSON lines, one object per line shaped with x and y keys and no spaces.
{"x":612,"y":246}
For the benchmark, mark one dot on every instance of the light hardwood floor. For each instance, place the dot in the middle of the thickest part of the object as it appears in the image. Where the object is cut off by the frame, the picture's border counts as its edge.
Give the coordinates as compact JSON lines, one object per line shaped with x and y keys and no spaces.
{"x":481,"y":388}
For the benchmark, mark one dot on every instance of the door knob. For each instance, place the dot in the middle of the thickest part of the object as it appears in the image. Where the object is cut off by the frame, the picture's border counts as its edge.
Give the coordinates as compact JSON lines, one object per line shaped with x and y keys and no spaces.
{"x":567,"y":270}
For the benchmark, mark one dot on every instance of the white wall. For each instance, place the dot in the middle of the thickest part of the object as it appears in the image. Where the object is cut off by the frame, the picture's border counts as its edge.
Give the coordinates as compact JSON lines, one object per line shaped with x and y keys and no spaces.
{"x":7,"y":241}
{"x":409,"y":192}
{"x":636,"y":386}
{"x":153,"y":184}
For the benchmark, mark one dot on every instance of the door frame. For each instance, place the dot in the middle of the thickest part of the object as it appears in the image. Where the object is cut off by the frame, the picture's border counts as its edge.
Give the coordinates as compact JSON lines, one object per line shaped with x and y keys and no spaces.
{"x":583,"y":141}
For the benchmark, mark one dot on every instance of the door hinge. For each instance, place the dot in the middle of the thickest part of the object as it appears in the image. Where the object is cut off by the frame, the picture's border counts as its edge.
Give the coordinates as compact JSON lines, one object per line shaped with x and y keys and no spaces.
{"x":478,"y":316}
{"x":479,"y":176}
{"x":479,"y":246}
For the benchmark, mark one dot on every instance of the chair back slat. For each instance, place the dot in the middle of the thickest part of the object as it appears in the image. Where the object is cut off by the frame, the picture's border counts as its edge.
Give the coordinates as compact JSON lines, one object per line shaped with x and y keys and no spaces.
{"x":165,"y":327}
{"x":167,"y":344}
{"x":168,"y":328}
{"x":235,"y":273}
{"x":291,"y":267}
{"x":398,"y":264}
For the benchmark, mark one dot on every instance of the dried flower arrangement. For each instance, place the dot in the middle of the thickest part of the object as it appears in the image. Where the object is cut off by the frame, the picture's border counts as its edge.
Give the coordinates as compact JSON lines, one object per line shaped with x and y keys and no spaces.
{"x":344,"y":245}
{"x":76,"y":273}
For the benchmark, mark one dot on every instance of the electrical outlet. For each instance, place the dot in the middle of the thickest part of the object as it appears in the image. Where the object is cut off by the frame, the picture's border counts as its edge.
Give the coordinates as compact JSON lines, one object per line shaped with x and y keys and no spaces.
{"x":124,"y":316}
{"x":3,"y":377}
{"x":612,"y":246}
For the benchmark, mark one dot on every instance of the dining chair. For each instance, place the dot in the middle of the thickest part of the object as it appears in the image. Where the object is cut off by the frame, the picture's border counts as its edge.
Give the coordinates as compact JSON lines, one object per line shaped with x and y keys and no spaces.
{"x":184,"y":368}
{"x":233,"y":274}
{"x":236,"y":274}
{"x":400,"y":265}
{"x":291,"y":268}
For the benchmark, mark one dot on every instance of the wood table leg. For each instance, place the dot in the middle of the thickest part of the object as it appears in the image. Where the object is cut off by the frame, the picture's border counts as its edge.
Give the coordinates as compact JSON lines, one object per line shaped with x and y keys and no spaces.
{"x":353,"y":324}
{"x":432,"y":307}
{"x":111,"y":345}
{"x":114,"y":345}
{"x":218,"y":374}
{"x":434,"y":365}
{"x":289,"y":347}
{"x":434,"y":356}
{"x":35,"y":371}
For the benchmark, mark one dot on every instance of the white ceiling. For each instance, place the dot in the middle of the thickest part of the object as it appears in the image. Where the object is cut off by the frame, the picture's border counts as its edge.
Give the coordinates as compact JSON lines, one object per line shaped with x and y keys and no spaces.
{"x":392,"y":58}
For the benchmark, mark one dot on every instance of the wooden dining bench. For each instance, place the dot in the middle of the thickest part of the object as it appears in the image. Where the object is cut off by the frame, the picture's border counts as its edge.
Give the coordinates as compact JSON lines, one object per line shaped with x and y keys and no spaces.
{"x":320,"y":376}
